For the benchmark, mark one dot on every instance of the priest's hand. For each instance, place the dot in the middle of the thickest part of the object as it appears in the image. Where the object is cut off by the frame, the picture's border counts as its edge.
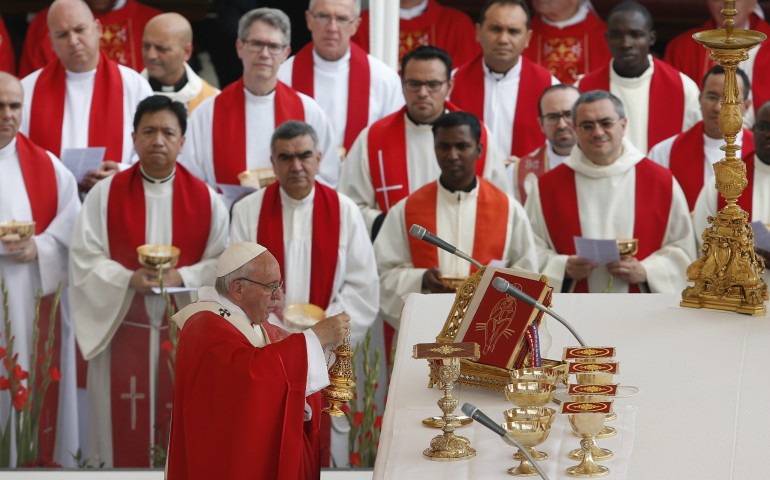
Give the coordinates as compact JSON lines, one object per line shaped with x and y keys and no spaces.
{"x":144,"y":280}
{"x":628,"y":269}
{"x":24,"y":251}
{"x":93,"y":176}
{"x":579,"y":268}
{"x":172,"y":278}
{"x":431,"y":281}
{"x":331,"y":331}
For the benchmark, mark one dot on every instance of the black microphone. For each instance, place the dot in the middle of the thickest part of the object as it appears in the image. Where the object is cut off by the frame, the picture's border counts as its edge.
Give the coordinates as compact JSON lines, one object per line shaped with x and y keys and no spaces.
{"x":421,"y":233}
{"x":504,"y":286}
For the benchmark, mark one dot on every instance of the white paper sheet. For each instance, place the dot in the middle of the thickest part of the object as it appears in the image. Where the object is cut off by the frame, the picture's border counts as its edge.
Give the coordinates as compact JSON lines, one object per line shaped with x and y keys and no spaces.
{"x":232,"y":193}
{"x":80,"y":161}
{"x":172,"y":290}
{"x":597,"y":250}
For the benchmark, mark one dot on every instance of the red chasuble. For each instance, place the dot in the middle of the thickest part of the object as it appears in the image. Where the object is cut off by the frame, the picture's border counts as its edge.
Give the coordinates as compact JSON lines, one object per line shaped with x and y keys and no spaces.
{"x":302,"y":80}
{"x":468,"y":94}
{"x":691,"y":58}
{"x":444,"y":27}
{"x":535,"y":163}
{"x":121,"y":40}
{"x":760,"y":86}
{"x":652,"y":204}
{"x":688,"y":167}
{"x":666,"y":114}
{"x":229,"y":126}
{"x":570,"y":51}
{"x":326,"y":238}
{"x":105,"y":120}
{"x":238,"y":410}
{"x":745,"y":201}
{"x":130,"y":363}
{"x":7,"y":57}
{"x":387,"y":137}
{"x":491,"y":226}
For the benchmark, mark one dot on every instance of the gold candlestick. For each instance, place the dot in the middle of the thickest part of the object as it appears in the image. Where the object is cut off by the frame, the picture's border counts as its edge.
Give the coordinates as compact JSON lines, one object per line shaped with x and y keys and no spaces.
{"x":728,"y":274}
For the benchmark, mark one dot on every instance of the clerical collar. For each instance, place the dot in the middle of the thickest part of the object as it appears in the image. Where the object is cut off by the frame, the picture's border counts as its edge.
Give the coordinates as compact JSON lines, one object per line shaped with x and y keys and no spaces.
{"x":413,"y":12}
{"x":419,"y":124}
{"x":512,"y":72}
{"x":159,"y":87}
{"x":331,"y":65}
{"x":156,"y":180}
{"x":467,"y":189}
{"x":579,"y":16}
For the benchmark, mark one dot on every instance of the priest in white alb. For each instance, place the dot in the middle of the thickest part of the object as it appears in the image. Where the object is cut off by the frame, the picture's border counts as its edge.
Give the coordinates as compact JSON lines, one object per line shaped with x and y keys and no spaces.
{"x":607,"y":189}
{"x":354,"y":88}
{"x":119,"y":319}
{"x":82,"y":99}
{"x":230,"y":133}
{"x":394,"y":156}
{"x":35,"y":186}
{"x":461,"y":208}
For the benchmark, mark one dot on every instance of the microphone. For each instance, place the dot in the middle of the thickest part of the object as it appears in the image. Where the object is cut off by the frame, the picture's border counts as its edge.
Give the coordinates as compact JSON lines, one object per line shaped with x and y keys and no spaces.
{"x":476,"y":414}
{"x":421,"y":233}
{"x":502,"y":285}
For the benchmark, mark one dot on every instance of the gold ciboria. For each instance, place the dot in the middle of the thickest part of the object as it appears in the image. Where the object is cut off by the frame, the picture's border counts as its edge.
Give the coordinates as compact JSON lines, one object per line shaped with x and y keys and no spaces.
{"x":728,"y":274}
{"x":341,"y":384}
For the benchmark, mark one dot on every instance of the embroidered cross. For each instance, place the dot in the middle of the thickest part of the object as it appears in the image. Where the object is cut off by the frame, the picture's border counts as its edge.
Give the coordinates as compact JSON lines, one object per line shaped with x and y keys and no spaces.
{"x":384,"y":189}
{"x":133,"y":396}
{"x":223,"y":312}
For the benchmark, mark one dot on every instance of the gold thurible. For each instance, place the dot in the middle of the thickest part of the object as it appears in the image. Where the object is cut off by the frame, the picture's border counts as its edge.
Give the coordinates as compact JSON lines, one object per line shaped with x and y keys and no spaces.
{"x":341,"y":384}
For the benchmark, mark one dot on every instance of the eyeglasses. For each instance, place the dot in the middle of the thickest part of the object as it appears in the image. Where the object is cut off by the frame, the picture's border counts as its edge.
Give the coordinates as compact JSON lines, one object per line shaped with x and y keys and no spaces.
{"x":272,"y":287}
{"x":433,"y":86}
{"x":553,"y":118}
{"x":256,"y":46}
{"x":325,"y":19}
{"x":605,"y":124}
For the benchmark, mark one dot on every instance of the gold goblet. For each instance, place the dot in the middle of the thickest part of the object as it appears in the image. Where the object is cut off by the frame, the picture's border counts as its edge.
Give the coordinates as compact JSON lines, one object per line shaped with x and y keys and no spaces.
{"x":597,"y":452}
{"x":587,"y":425}
{"x":158,"y":257}
{"x":543,"y":415}
{"x":628,"y":246}
{"x":13,"y":231}
{"x":524,"y":393}
{"x":257,"y":178}
{"x":598,"y":379}
{"x":547,"y":375}
{"x":529,"y":434}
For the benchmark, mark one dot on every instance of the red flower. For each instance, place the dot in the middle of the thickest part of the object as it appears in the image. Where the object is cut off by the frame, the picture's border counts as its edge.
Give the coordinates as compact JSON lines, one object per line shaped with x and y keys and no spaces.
{"x":3,"y":352}
{"x":19,"y":373}
{"x":5,"y":383}
{"x":20,"y":398}
{"x":358,"y":418}
{"x":54,"y":373}
{"x":355,"y":460}
{"x":378,"y":422}
{"x":345,"y":408}
{"x":374,"y":406}
{"x":166,"y":346}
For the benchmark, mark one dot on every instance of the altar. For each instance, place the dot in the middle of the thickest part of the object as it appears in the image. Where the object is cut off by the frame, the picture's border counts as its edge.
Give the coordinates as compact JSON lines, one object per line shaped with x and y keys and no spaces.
{"x":701,"y":411}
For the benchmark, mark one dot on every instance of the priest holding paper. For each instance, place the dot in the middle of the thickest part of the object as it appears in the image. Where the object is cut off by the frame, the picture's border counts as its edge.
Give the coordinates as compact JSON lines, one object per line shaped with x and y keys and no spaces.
{"x":607,"y":189}
{"x":119,"y":318}
{"x":35,"y":186}
{"x":82,"y":99}
{"x":461,"y":208}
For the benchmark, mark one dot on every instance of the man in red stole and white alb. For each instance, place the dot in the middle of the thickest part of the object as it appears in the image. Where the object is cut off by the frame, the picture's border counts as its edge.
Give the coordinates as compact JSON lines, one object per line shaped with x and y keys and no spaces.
{"x":34,"y":185}
{"x":489,"y":85}
{"x":82,"y":99}
{"x":354,"y":88}
{"x":230,"y":133}
{"x":607,"y":189}
{"x":395,"y":156}
{"x":660,"y":101}
{"x":681,"y":153}
{"x":244,"y":394}
{"x":460,"y":207}
{"x":119,"y":320}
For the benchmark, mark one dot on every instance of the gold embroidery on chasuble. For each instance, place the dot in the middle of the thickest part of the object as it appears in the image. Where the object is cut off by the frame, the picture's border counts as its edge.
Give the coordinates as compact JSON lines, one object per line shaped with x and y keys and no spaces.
{"x":563,"y":56}
{"x":115,"y":43}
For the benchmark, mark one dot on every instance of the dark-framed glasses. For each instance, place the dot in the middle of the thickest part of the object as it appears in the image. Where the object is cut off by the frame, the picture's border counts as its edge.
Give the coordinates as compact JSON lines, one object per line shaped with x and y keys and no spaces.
{"x":433,"y":86}
{"x":256,"y":46}
{"x":590,"y":127}
{"x":271,"y":286}
{"x":325,"y":19}
{"x":553,"y":118}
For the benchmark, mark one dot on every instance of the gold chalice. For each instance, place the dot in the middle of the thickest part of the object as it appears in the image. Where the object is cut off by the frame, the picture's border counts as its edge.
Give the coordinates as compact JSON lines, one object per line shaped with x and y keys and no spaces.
{"x":597,"y":452}
{"x":524,"y":393}
{"x":529,"y":434}
{"x":301,"y":316}
{"x":628,"y":246}
{"x":598,"y":379}
{"x":587,"y":425}
{"x":543,"y":415}
{"x":155,"y":257}
{"x":14,"y":231}
{"x":547,"y":375}
{"x":257,"y":177}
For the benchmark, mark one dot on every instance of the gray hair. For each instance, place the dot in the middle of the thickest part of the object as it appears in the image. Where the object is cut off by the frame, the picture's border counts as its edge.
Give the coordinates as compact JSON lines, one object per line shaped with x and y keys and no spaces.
{"x":222,"y":284}
{"x":596,"y":95}
{"x":271,"y":16}
{"x":356,"y":6}
{"x":293,"y":129}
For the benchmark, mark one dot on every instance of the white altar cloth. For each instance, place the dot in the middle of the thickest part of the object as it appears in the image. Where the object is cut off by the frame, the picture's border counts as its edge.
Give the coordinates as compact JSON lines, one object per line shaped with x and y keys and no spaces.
{"x":702,"y":407}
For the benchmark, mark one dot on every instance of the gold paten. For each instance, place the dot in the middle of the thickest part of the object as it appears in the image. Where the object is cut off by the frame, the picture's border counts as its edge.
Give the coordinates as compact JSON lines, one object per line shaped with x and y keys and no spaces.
{"x":301,"y":316}
{"x":341,"y":384}
{"x":728,"y":274}
{"x":14,"y":231}
{"x":156,"y":257}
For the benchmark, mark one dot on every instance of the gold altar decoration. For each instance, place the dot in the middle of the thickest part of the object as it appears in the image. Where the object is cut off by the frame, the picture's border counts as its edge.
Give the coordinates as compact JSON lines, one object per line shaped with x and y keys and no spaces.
{"x":156,"y":257}
{"x":444,"y":361}
{"x":341,"y":384}
{"x":13,"y":231}
{"x":728,"y":274}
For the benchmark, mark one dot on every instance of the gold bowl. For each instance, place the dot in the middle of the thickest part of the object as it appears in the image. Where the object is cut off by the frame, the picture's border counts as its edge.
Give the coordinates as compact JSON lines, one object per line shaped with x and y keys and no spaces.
{"x":158,"y":256}
{"x":14,"y":231}
{"x":538,"y":374}
{"x":543,"y":415}
{"x":301,"y":316}
{"x":525,"y":393}
{"x":628,"y":246}
{"x":452,"y":282}
{"x":257,"y":178}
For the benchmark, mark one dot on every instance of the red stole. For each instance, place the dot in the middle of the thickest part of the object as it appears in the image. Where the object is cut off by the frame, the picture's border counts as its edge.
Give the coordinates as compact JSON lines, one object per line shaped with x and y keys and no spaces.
{"x":302,"y":80}
{"x":666,"y":113}
{"x":535,"y":163}
{"x":468,"y":94}
{"x":760,"y":87}
{"x":391,"y":180}
{"x":40,"y":181}
{"x":191,"y":223}
{"x":7,"y":57}
{"x":229,"y":127}
{"x":105,"y":120}
{"x":687,"y":166}
{"x":745,"y":201}
{"x":491,"y":226}
{"x":652,"y":203}
{"x":326,"y":238}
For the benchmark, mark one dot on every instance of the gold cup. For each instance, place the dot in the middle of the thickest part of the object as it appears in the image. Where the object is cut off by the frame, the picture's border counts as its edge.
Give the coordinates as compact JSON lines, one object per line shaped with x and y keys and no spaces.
{"x":542,"y":415}
{"x":13,"y":231}
{"x":628,"y":246}
{"x":257,"y":178}
{"x":598,"y":379}
{"x":529,"y":434}
{"x":524,"y":393}
{"x":547,"y":375}
{"x":155,"y":256}
{"x":597,"y":452}
{"x":587,"y":425}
